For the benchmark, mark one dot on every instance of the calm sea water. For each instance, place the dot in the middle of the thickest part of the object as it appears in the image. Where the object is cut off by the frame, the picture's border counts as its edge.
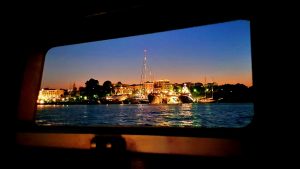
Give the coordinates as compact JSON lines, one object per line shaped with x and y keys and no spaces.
{"x":192,"y":115}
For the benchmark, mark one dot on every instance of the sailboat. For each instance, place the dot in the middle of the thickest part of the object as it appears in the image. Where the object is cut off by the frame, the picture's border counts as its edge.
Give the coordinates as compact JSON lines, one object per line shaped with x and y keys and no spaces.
{"x":208,"y":99}
{"x":146,"y":86}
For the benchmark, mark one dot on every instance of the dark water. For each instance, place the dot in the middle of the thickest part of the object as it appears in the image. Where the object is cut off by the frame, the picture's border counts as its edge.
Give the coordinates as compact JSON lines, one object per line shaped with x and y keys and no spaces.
{"x":191,"y":115}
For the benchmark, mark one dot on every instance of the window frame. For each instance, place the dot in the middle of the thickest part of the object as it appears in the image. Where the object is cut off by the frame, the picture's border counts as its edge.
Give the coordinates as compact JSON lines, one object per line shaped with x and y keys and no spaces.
{"x":26,"y":127}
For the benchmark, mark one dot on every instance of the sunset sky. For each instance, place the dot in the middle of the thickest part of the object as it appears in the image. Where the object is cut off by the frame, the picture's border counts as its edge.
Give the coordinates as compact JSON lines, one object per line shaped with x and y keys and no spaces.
{"x":219,"y":52}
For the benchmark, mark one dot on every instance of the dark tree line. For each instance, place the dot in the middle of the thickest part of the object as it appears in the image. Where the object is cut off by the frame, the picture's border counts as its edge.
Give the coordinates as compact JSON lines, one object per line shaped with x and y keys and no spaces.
{"x":94,"y":91}
{"x":234,"y":93}
{"x":224,"y":93}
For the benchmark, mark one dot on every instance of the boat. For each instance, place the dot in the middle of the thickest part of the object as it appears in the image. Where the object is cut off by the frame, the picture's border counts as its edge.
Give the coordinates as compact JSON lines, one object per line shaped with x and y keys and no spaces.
{"x":186,"y":96}
{"x":155,"y":98}
{"x":173,"y":99}
{"x":160,"y":98}
{"x":114,"y":99}
{"x":208,"y":99}
{"x":138,"y":99}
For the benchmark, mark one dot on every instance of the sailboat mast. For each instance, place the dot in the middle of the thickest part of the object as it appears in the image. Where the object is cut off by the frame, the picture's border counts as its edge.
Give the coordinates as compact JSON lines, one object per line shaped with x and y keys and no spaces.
{"x":144,"y":72}
{"x":212,"y":91}
{"x":205,"y":86}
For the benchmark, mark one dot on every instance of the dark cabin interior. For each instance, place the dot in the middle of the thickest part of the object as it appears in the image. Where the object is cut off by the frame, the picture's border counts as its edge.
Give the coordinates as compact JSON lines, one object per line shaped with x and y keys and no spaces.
{"x":35,"y":29}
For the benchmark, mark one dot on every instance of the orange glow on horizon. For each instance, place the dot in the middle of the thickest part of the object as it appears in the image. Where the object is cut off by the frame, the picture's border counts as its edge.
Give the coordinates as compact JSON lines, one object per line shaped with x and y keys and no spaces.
{"x":247,"y":81}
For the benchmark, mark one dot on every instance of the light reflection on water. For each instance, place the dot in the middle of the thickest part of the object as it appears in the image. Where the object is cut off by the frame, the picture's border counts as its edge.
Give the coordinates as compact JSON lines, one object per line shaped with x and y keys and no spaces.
{"x":185,"y":115}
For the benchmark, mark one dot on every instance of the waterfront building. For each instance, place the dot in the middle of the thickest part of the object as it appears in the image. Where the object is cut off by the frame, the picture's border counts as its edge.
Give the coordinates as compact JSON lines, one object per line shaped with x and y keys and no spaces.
{"x":46,"y":95}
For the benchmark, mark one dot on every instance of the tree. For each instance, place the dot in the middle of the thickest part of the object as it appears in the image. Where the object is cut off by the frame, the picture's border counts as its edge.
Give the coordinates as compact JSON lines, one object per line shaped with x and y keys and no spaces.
{"x":108,"y":87}
{"x":119,"y":84}
{"x":177,"y":88}
{"x":74,"y":90}
{"x":234,"y":93}
{"x":82,"y":91}
{"x":92,"y":89}
{"x":196,"y":90}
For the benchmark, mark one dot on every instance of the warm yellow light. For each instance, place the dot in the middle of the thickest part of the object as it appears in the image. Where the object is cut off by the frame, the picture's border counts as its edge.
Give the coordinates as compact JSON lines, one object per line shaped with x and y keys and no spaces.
{"x":41,"y":101}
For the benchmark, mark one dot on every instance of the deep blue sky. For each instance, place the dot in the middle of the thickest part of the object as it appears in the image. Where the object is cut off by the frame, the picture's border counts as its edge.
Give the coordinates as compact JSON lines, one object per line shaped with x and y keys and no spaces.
{"x":218,"y":52}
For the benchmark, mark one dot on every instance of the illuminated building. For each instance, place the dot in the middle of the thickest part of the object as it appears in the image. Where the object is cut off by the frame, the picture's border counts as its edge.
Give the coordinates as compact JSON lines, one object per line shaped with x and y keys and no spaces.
{"x":46,"y":95}
{"x":149,"y":86}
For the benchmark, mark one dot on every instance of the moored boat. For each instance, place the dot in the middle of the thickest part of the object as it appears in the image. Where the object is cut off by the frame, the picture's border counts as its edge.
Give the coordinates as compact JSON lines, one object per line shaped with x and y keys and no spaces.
{"x":207,"y":100}
{"x":186,"y":98}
